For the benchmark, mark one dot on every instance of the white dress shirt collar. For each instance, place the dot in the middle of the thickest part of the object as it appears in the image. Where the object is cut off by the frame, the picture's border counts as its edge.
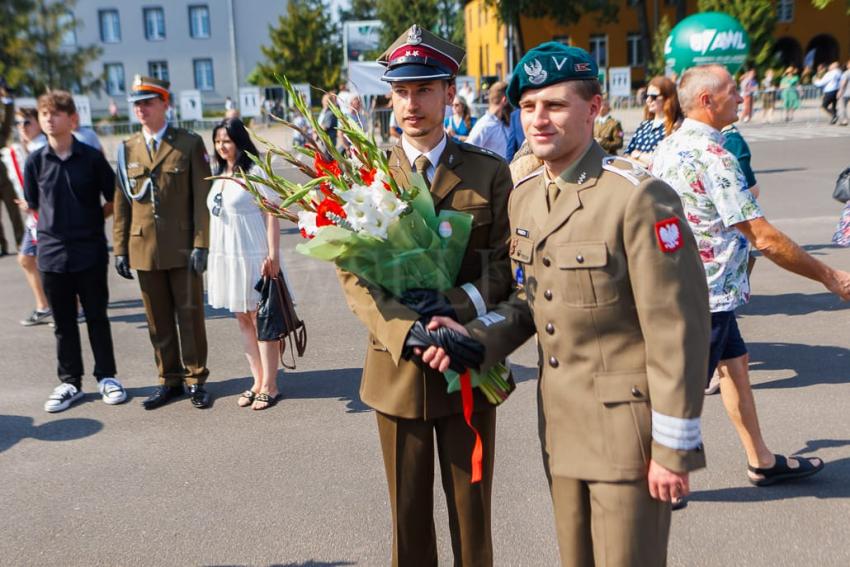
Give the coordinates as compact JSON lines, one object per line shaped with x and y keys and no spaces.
{"x":433,"y":154}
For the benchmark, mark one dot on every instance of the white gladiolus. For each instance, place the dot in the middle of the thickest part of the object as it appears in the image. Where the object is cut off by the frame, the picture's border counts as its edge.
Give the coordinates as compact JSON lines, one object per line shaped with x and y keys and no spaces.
{"x":307,"y":223}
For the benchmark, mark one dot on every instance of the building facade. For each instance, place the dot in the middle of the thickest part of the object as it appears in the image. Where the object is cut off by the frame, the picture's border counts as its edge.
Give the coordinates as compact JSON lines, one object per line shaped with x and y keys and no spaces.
{"x":804,"y":35}
{"x":208,"y":45}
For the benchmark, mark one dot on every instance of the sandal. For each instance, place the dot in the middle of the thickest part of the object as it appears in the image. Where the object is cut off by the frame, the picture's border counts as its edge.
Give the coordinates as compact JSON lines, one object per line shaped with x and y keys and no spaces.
{"x":264,"y":398}
{"x":780,"y":471}
{"x":246,"y":398}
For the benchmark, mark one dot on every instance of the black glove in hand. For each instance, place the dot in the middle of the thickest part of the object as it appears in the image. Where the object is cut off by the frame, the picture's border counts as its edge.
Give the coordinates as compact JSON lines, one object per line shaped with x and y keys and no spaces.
{"x":428,"y":303}
{"x":198,"y":260}
{"x":465,"y":352}
{"x":122,"y":266}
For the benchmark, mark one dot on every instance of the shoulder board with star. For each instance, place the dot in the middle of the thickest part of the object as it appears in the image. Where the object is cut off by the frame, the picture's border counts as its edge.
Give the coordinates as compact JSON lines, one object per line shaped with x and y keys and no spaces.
{"x":529,"y":177}
{"x":479,"y":150}
{"x":633,"y":171}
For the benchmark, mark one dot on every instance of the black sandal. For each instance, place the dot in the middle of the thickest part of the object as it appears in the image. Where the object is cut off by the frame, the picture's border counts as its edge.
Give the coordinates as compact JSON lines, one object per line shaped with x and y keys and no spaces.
{"x":248,"y":395}
{"x":266,"y":399}
{"x":780,"y":471}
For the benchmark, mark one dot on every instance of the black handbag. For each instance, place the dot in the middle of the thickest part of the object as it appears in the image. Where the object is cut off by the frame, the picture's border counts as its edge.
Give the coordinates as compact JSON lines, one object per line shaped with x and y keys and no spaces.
{"x":277,"y":320}
{"x":842,"y":187}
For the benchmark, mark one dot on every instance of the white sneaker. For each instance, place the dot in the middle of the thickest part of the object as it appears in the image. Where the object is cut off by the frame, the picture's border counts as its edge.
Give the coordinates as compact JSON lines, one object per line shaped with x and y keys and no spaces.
{"x":62,"y":397}
{"x":111,"y":391}
{"x":713,"y":385}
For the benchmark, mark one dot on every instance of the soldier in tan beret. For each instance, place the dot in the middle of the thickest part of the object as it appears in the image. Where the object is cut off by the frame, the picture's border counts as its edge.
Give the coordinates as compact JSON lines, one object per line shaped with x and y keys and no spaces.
{"x":417,"y":418}
{"x":608,"y":275}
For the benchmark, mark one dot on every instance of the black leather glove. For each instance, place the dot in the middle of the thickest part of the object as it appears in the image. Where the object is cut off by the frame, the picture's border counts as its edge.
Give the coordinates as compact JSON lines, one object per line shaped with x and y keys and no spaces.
{"x":428,"y":303}
{"x":465,"y":352}
{"x":122,"y":266}
{"x":198,"y":260}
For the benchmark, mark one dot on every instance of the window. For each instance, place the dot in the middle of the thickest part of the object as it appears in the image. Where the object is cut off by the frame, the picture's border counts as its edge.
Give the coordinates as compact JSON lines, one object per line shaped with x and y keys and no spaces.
{"x":634,"y":51}
{"x":68,"y":26}
{"x":110,"y":26}
{"x":199,"y":21}
{"x":159,"y":70}
{"x":599,"y":49}
{"x":154,"y":23}
{"x":114,"y":78}
{"x":204,"y":74}
{"x":785,"y":11}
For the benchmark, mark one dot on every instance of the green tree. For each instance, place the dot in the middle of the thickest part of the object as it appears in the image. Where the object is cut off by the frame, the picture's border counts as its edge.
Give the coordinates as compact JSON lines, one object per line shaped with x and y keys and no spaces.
{"x":438,"y":16}
{"x":656,"y":65}
{"x":821,"y":4}
{"x":305,"y":46}
{"x":564,"y":13}
{"x":14,"y":17}
{"x":39,"y":48}
{"x":758,"y":17}
{"x":359,"y":10}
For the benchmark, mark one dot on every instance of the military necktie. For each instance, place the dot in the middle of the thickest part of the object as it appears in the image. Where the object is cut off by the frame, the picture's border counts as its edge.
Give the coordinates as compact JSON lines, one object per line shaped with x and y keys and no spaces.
{"x":421,"y":165}
{"x":552,"y":192}
{"x":152,"y":148}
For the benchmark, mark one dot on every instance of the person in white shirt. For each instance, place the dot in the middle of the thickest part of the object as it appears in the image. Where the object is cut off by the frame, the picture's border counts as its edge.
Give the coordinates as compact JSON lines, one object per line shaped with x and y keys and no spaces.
{"x":844,"y":93}
{"x":830,"y":82}
{"x":491,"y":130}
{"x":30,"y":138}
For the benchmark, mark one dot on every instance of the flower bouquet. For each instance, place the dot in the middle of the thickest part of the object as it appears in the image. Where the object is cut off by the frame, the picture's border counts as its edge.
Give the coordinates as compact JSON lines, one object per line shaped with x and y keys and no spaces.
{"x":351,"y":212}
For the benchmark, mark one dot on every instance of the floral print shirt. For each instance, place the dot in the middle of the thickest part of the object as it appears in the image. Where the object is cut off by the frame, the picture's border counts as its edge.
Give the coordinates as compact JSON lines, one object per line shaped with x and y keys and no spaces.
{"x":715,"y":197}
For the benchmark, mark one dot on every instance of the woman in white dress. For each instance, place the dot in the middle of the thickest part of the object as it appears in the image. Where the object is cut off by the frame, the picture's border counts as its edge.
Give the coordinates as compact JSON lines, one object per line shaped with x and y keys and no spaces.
{"x":244,"y":245}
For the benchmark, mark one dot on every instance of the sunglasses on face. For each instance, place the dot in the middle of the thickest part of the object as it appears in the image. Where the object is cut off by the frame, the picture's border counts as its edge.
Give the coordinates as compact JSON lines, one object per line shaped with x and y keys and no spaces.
{"x":216,"y":210}
{"x":653,"y":96}
{"x":23,"y":123}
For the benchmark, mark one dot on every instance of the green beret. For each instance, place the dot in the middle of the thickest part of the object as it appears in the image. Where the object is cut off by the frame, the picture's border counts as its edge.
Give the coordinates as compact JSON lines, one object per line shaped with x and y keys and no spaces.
{"x":549,"y":63}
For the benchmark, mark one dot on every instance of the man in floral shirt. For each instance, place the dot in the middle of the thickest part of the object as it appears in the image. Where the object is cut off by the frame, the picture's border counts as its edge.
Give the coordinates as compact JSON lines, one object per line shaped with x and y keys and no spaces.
{"x":725,"y":219}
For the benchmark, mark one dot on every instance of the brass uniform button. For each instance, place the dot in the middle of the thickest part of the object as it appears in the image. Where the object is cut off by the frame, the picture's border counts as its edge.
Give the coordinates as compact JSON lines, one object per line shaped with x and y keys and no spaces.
{"x":550,"y":328}
{"x":553,"y":362}
{"x":635,"y":392}
{"x":548,"y":294}
{"x":546,"y":261}
{"x":580,"y":259}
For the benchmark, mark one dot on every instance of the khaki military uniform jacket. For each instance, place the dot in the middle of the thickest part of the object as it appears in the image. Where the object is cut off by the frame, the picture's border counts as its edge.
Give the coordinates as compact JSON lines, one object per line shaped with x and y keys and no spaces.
{"x":622,"y":321}
{"x":159,"y":232}
{"x":467,"y":179}
{"x":609,"y":134}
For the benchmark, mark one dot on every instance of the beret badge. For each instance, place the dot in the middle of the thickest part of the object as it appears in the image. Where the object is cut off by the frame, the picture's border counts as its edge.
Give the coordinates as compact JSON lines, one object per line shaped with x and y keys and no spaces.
{"x":535,"y":71}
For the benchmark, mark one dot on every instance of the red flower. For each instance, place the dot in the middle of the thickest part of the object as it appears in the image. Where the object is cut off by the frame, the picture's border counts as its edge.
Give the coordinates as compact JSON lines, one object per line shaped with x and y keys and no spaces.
{"x":693,"y":219}
{"x":306,"y":236}
{"x":328,"y":206}
{"x":367,"y":175}
{"x":707,"y":254}
{"x":387,"y":186}
{"x":325,"y":188}
{"x":697,"y":186}
{"x":326,"y":167}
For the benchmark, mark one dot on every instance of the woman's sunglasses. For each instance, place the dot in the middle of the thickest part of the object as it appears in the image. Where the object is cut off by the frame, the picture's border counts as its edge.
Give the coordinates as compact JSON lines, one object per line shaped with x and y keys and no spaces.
{"x":23,"y":123}
{"x":652,"y":96}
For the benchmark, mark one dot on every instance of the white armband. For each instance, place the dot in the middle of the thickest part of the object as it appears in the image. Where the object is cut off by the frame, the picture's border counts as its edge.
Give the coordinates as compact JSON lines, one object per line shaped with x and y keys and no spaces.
{"x":476,"y":298}
{"x":675,"y":432}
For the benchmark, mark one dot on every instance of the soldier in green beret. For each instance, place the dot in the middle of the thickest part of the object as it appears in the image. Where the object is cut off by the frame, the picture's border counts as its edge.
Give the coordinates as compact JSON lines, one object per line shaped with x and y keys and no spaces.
{"x":608,"y":275}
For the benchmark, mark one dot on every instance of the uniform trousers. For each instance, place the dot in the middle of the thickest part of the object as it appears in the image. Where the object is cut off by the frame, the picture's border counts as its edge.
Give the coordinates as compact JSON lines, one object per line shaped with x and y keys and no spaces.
{"x":609,"y":524}
{"x":62,"y":291}
{"x":174,"y":306}
{"x":408,"y":450}
{"x":8,"y":196}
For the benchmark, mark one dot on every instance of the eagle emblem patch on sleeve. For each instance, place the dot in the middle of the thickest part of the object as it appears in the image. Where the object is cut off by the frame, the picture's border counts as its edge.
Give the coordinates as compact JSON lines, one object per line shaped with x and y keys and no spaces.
{"x":669,"y":235}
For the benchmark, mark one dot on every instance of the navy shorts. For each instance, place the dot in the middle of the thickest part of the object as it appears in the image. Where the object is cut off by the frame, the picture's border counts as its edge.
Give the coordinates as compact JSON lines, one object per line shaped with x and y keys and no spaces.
{"x":726,"y":340}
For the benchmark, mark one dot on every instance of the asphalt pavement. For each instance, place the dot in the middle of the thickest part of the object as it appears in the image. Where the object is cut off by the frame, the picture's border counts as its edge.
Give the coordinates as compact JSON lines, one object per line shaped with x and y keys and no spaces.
{"x":302,"y":484}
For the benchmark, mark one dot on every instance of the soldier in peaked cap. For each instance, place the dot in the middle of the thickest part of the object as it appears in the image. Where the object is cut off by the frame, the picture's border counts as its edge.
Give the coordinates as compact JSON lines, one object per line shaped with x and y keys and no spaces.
{"x":161,"y":230}
{"x":411,"y":404}
{"x":608,"y":275}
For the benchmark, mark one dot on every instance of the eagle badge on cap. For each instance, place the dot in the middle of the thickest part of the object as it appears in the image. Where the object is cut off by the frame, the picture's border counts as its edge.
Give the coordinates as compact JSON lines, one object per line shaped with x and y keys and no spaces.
{"x":414,"y":36}
{"x":535,"y":71}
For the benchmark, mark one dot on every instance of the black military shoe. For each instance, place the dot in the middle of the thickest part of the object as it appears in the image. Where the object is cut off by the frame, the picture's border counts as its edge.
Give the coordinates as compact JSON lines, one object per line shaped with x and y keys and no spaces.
{"x":161,"y":396}
{"x":200,"y":397}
